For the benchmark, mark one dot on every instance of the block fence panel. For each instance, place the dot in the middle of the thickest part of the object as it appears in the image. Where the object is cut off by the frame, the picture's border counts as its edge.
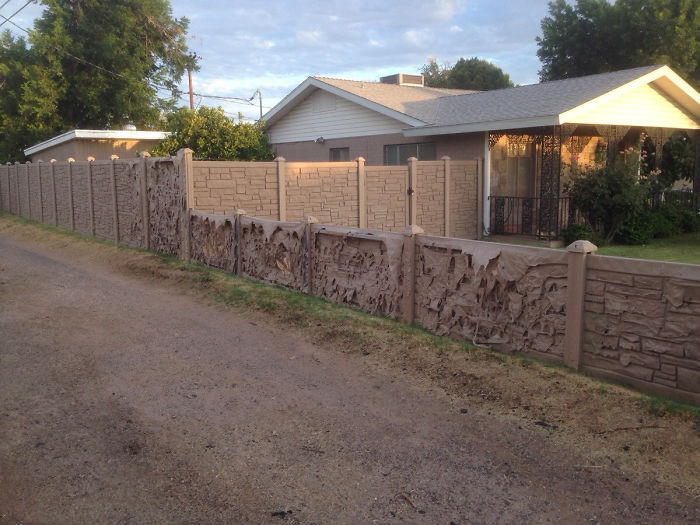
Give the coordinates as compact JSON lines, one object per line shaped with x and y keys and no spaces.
{"x":344,"y":193}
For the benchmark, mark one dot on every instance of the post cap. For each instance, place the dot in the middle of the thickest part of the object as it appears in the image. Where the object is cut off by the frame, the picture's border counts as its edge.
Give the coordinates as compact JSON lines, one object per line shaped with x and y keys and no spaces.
{"x":309,"y":219}
{"x":413,"y":229}
{"x":582,"y":246}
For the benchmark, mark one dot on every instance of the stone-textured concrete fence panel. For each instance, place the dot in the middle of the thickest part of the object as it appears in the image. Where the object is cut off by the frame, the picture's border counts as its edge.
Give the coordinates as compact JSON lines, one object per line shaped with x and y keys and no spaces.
{"x":272,"y":251}
{"x":633,"y":321}
{"x":441,"y":196}
{"x":510,"y":298}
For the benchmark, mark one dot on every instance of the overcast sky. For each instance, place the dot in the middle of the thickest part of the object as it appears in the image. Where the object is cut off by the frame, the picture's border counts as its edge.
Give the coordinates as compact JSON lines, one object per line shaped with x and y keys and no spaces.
{"x":274,"y":45}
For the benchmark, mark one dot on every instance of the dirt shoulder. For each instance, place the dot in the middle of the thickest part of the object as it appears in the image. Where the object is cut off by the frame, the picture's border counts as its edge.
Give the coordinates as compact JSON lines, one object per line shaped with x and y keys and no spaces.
{"x":135,"y":389}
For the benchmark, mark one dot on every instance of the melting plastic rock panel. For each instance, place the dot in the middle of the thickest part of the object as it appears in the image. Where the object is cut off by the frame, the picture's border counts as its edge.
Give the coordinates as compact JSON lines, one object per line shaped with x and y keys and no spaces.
{"x":510,"y":300}
{"x":363,"y":270}
{"x":212,"y":240}
{"x":272,"y":251}
{"x":164,"y":193}
{"x":128,"y":203}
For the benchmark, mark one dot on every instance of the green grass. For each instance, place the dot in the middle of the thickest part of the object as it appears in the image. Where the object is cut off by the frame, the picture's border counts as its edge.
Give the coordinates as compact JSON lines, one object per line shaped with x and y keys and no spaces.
{"x":684,"y":248}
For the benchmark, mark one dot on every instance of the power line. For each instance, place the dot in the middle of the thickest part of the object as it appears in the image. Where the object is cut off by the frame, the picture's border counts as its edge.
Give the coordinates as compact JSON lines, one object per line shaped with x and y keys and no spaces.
{"x":13,"y":14}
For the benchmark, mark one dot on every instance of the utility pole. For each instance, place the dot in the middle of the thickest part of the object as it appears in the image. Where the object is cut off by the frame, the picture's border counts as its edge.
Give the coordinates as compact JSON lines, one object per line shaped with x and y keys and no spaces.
{"x":189,"y":76}
{"x":259,"y":94}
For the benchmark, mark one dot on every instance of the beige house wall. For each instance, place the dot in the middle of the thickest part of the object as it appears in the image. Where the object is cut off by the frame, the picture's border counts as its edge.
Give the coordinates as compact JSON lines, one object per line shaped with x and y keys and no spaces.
{"x":466,"y":146}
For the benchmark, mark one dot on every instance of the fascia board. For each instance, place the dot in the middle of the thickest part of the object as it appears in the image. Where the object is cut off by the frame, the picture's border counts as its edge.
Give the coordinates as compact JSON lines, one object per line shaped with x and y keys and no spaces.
{"x":303,"y":89}
{"x":533,"y":122}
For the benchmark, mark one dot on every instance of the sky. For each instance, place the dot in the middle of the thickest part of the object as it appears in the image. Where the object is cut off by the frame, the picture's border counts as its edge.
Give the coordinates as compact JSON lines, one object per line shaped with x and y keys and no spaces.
{"x":273,"y":46}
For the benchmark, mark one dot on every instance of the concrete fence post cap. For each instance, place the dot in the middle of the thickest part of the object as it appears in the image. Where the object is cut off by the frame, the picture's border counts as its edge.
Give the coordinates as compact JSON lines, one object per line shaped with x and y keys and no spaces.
{"x":360,"y":159}
{"x":113,"y":157}
{"x":445,"y":157}
{"x":279,"y":159}
{"x":240,"y":211}
{"x":70,"y":159}
{"x":91,"y":159}
{"x":413,"y":229}
{"x":309,"y":219}
{"x":582,"y":246}
{"x":144,"y":154}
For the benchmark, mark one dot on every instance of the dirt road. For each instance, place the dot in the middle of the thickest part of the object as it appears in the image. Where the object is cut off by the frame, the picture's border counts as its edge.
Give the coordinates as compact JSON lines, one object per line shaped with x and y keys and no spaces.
{"x":124,"y":401}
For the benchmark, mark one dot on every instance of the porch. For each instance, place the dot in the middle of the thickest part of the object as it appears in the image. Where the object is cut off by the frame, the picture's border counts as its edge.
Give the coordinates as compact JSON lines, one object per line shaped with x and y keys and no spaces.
{"x":528,"y":172}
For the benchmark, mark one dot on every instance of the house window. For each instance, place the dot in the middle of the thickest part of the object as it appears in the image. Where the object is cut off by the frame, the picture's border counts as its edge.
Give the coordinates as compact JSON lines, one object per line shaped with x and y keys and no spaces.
{"x":339,"y":154}
{"x":397,"y":154}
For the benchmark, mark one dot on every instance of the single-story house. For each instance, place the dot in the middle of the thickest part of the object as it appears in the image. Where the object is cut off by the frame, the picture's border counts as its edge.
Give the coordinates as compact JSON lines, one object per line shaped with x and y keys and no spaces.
{"x":527,"y":135}
{"x":79,"y":144}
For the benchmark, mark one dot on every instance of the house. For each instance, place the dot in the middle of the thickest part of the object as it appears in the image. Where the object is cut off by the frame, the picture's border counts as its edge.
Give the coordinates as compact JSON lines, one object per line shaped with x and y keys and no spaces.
{"x":527,"y":135}
{"x":80,"y":144}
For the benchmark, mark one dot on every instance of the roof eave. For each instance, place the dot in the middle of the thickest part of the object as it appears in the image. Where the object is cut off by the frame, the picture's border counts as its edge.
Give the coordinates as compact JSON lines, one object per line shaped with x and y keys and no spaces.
{"x":530,"y":122}
{"x":95,"y":134}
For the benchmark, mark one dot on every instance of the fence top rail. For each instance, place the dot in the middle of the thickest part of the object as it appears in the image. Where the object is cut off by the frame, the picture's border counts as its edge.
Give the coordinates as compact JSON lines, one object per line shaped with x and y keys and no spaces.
{"x":232,"y":164}
{"x":348,"y":231}
{"x":250,"y":219}
{"x":212,"y":217}
{"x":644,"y":267}
{"x":469,"y":245}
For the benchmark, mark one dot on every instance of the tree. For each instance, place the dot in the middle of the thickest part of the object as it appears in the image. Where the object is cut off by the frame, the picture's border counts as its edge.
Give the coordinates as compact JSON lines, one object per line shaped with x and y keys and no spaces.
{"x":98,"y":64}
{"x":594,"y":36}
{"x":473,"y":73}
{"x":214,"y":136}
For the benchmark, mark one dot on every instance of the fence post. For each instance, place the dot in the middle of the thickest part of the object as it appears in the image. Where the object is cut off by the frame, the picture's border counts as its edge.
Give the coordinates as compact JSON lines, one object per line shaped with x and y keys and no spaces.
{"x":577,"y":253}
{"x":412,"y":178}
{"x":28,"y":165}
{"x":143,"y":181}
{"x":41,"y":193}
{"x":307,"y":278}
{"x":70,"y":192}
{"x":237,"y":242}
{"x":361,"y":192}
{"x":53,"y":191}
{"x":447,"y":167}
{"x":281,"y":187}
{"x":115,"y":202}
{"x":91,"y":197}
{"x":408,"y":268}
{"x":184,"y":160}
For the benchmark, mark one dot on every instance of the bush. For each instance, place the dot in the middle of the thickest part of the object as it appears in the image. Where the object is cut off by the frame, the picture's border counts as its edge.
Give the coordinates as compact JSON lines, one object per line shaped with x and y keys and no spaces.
{"x":608,"y":196}
{"x":689,"y":221}
{"x":575,"y":232}
{"x":638,"y":229}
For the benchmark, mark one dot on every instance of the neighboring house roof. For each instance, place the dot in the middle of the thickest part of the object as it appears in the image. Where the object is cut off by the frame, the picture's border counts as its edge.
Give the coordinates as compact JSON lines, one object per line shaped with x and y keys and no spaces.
{"x":104,"y":134}
{"x":589,"y":99}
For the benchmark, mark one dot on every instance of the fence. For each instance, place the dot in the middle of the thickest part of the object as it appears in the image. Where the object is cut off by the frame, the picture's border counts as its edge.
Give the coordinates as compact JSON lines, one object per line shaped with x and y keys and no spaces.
{"x":637,"y":322}
{"x":443,"y":197}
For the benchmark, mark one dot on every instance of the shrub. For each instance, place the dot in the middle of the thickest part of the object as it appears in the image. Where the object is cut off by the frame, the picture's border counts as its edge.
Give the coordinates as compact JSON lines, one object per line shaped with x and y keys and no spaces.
{"x":609,"y":196}
{"x":637,"y":229}
{"x":689,"y":221}
{"x":575,"y":232}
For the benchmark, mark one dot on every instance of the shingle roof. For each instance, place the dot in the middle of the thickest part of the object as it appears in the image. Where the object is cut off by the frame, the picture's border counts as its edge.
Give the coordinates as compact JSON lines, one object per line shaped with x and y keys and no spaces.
{"x":414,"y":101}
{"x":535,"y":100}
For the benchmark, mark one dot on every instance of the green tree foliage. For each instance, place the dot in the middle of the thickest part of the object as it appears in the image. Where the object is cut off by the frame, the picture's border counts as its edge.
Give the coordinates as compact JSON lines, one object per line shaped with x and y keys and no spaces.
{"x":94,"y":64}
{"x":595,"y":36}
{"x":473,"y":73}
{"x":214,"y":136}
